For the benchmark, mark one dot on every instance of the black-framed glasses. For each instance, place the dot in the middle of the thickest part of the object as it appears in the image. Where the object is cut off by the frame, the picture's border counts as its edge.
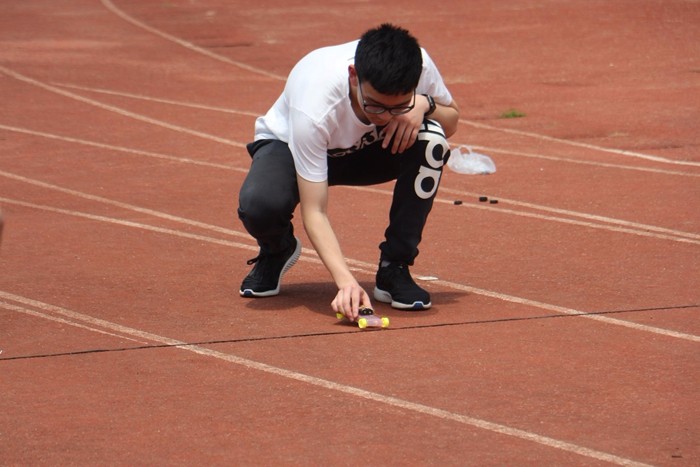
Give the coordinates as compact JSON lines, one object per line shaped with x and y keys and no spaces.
{"x":377,"y":109}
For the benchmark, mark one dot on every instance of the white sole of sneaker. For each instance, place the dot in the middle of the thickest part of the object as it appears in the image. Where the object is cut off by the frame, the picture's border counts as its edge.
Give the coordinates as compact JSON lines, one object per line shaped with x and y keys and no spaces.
{"x":287,"y":266}
{"x":385,"y":297}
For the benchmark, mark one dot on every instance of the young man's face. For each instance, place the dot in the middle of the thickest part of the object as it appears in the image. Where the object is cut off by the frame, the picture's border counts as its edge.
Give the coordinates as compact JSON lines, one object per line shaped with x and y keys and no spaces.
{"x":374,"y":107}
{"x":380,"y":108}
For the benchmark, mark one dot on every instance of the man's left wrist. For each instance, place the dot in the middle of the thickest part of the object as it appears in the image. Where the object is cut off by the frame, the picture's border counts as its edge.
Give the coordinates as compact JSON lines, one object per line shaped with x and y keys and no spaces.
{"x":431,"y":104}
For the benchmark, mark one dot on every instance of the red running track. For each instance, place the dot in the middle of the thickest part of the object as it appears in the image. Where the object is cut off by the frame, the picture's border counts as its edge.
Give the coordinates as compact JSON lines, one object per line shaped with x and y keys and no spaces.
{"x":565,"y":323}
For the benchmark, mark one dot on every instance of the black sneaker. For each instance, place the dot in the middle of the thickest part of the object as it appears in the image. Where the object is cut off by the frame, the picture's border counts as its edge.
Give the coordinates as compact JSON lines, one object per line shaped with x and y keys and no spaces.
{"x":396,"y":286}
{"x":265,"y":278}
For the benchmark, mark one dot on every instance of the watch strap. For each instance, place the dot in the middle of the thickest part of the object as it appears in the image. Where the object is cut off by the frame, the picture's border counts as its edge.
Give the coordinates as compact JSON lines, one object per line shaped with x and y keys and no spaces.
{"x":431,"y":103}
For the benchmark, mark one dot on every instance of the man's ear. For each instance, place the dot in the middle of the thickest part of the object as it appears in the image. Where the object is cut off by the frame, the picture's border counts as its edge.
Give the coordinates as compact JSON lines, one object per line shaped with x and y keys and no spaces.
{"x":352,"y":75}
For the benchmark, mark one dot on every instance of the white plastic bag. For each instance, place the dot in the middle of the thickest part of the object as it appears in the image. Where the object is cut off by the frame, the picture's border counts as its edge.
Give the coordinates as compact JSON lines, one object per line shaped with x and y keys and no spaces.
{"x":465,"y":161}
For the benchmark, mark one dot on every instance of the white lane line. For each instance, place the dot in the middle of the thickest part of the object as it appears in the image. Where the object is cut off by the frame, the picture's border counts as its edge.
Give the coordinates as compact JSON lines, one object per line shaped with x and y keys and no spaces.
{"x":118,"y":110}
{"x":365,"y":268}
{"x":110,"y":147}
{"x":110,"y":6}
{"x":483,"y":148}
{"x":215,"y":228}
{"x":188,"y":45}
{"x":569,"y":311}
{"x":26,"y":311}
{"x":488,"y":149}
{"x":158,"y":122}
{"x":332,"y":385}
{"x":644,"y":229}
{"x":594,"y":217}
{"x":311,"y":255}
{"x":141,"y":97}
{"x":590,"y":225}
{"x":130,"y":207}
{"x":621,"y":152}
{"x":136,"y":225}
{"x":675,"y":236}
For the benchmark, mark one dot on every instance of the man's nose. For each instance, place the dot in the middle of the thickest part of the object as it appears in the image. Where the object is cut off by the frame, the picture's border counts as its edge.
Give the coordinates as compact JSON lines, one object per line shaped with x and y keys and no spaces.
{"x":385,"y":117}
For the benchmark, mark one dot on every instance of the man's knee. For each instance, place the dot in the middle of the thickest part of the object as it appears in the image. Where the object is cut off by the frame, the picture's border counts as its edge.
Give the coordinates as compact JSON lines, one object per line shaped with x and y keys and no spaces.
{"x":262,"y":208}
{"x":261,"y":203}
{"x":437,"y":148}
{"x":435,"y":151}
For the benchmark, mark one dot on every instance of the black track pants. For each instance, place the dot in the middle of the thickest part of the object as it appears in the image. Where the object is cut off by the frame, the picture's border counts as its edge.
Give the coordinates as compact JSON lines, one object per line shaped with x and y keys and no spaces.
{"x":270,"y":194}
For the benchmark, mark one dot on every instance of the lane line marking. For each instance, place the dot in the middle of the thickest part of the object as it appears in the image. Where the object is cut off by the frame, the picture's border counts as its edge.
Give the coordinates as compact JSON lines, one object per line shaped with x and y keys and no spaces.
{"x":141,"y":97}
{"x":613,"y":457}
{"x":594,"y":217}
{"x":311,"y":255}
{"x":136,"y":225}
{"x":110,"y":6}
{"x":620,"y":152}
{"x":207,"y":136}
{"x":188,"y":45}
{"x":130,"y":207}
{"x":224,"y":230}
{"x":674,"y":235}
{"x":110,"y":147}
{"x":118,"y":110}
{"x":579,"y":161}
{"x":27,"y":311}
{"x":368,"y":269}
{"x":332,"y":385}
{"x":569,"y":311}
{"x":644,"y":229}
{"x":482,"y":148}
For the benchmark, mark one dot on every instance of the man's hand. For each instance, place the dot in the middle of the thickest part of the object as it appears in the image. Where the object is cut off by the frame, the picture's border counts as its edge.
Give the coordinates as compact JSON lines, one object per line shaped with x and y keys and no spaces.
{"x":404,"y":128}
{"x":349,"y":300}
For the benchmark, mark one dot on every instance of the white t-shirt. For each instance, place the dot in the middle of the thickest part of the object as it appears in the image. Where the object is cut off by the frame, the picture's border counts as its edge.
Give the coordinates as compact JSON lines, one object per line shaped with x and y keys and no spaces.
{"x":314,"y":114}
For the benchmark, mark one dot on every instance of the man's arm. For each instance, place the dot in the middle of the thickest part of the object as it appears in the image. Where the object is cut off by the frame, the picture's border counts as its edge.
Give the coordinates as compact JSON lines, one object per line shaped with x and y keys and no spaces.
{"x":446,"y":115}
{"x":404,"y":128}
{"x":313,"y":205}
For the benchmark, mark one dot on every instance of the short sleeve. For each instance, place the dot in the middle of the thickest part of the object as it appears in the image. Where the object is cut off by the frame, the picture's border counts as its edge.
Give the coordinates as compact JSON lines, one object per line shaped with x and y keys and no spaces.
{"x":308,"y":143}
{"x":431,"y":82}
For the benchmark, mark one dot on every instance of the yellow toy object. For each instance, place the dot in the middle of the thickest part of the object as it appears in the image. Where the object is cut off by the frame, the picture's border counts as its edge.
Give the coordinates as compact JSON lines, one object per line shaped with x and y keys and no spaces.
{"x":368,"y":319}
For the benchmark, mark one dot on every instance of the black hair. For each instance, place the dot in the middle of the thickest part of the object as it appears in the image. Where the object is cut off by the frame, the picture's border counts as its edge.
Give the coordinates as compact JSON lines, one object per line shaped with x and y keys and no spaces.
{"x":389,"y":58}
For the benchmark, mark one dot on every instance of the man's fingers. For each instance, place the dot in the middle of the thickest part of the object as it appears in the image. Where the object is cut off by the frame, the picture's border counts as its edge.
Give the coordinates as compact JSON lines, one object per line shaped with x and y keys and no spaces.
{"x":388,"y":133}
{"x":348,"y":301}
{"x":408,"y":137}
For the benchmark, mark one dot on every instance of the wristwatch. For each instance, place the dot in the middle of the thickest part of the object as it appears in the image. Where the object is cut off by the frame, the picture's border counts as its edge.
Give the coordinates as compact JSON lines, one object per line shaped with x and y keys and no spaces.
{"x":431,"y":103}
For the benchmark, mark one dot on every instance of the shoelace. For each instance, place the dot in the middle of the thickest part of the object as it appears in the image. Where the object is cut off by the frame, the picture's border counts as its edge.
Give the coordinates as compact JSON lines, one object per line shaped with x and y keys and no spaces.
{"x":400,"y":270}
{"x":258,"y":258}
{"x":253,"y":260}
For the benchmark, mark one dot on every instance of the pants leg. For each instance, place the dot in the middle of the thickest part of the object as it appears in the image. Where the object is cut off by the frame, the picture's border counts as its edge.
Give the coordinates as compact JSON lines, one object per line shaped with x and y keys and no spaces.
{"x":269,"y":195}
{"x":417,"y":173}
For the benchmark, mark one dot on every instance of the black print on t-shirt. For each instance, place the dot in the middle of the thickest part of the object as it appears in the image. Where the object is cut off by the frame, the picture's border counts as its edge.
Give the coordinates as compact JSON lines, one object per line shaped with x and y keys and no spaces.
{"x":368,"y":138}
